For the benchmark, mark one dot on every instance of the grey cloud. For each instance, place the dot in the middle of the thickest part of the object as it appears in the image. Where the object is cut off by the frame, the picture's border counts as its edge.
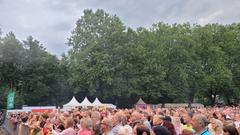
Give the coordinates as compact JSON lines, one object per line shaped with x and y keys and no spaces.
{"x":62,"y":26}
{"x":51,"y":21}
{"x":55,"y":40}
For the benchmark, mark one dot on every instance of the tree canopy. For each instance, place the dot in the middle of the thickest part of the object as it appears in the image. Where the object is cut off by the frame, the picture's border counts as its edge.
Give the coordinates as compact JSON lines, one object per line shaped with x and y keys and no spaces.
{"x":163,"y":63}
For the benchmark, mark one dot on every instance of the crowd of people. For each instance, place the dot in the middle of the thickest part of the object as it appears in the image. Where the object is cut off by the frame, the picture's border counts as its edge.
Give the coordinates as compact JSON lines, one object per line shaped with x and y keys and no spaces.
{"x":160,"y":121}
{"x":1,"y":116}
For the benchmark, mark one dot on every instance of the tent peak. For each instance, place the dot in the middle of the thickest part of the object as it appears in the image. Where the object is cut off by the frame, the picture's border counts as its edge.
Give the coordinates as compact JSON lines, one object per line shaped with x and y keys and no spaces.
{"x":72,"y":103}
{"x":140,"y":101}
{"x":85,"y":102}
{"x":96,"y":102}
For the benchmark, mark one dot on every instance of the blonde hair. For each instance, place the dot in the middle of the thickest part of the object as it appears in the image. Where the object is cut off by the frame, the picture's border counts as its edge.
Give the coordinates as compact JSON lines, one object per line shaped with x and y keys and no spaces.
{"x":108,"y":122}
{"x":69,"y":122}
{"x":157,"y":119}
{"x":176,"y":121}
{"x":86,"y":123}
{"x":219,"y":124}
{"x":125,"y":130}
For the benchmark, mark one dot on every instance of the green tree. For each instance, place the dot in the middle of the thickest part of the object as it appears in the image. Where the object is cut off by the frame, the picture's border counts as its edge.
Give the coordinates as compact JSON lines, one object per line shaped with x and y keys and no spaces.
{"x":94,"y":58}
{"x":42,"y":75}
{"x":216,"y":73}
{"x":12,"y":59}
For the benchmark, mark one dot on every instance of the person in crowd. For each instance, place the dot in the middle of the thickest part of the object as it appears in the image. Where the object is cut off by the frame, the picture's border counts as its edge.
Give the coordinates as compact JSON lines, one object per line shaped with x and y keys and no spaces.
{"x":106,"y":126}
{"x":1,"y":116}
{"x":84,"y":113}
{"x":46,"y":130}
{"x":129,"y":120}
{"x":125,"y":130}
{"x":215,"y":127}
{"x":146,"y":122}
{"x":187,"y":132}
{"x":69,"y":128}
{"x":52,"y":116}
{"x":228,"y":123}
{"x":86,"y":126}
{"x":135,"y":118}
{"x":35,"y":124}
{"x":230,"y":130}
{"x":167,"y":123}
{"x":96,"y":122}
{"x":158,"y":129}
{"x":237,"y":121}
{"x":199,"y":124}
{"x":187,"y":117}
{"x":124,"y":120}
{"x":142,"y":129}
{"x":116,"y":120}
{"x":177,"y":124}
{"x":58,"y":125}
{"x":23,"y":125}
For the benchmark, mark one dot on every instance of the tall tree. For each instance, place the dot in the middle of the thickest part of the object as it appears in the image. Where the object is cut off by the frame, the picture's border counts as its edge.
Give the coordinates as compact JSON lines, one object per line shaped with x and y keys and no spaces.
{"x":12,"y":59}
{"x":94,"y":57}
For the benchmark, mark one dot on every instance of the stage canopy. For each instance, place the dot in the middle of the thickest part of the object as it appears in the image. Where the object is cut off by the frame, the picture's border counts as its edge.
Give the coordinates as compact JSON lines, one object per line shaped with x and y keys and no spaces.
{"x":110,"y":106}
{"x":72,"y":103}
{"x":86,"y":103}
{"x":96,"y":102}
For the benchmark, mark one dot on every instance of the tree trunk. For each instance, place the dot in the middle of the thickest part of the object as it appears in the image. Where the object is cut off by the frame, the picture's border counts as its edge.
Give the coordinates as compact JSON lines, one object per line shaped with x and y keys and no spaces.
{"x":228,"y":99}
{"x":163,"y":104}
{"x":189,"y":103}
{"x":191,"y":96}
{"x":211,"y":93}
{"x":190,"y":99}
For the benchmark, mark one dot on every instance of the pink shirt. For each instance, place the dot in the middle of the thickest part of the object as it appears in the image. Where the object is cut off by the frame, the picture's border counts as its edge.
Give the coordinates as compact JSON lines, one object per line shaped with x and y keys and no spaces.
{"x":68,"y":131}
{"x":84,"y":132}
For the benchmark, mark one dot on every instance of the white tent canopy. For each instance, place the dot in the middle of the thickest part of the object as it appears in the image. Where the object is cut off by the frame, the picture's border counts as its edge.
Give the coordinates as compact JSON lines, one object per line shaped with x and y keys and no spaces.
{"x":86,"y":102}
{"x":140,"y":101}
{"x":72,"y":103}
{"x":96,"y":102}
{"x":110,"y":106}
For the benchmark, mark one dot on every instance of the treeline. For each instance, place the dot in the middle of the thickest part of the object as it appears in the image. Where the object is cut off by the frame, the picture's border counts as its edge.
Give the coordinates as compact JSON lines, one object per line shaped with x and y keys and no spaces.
{"x":164,"y":63}
{"x":37,"y":77}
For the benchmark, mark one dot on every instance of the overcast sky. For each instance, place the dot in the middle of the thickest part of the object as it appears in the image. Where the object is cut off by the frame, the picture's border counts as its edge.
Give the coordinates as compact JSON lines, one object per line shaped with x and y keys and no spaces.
{"x":51,"y":21}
